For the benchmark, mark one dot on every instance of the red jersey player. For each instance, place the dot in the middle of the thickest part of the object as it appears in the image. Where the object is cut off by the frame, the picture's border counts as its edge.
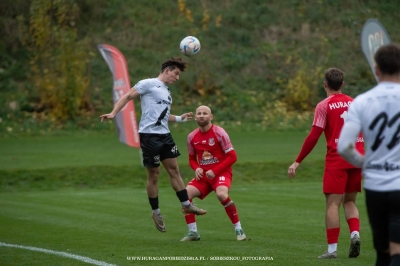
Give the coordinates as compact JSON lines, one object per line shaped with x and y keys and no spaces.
{"x":342,"y":180}
{"x":211,"y":156}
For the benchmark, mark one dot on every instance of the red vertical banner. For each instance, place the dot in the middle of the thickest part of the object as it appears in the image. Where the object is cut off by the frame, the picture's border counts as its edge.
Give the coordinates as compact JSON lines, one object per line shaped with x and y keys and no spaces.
{"x":125,"y":120}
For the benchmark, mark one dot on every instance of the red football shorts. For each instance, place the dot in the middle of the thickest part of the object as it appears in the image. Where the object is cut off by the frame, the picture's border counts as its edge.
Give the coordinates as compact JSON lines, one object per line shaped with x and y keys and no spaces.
{"x":206,"y":185}
{"x":339,"y":181}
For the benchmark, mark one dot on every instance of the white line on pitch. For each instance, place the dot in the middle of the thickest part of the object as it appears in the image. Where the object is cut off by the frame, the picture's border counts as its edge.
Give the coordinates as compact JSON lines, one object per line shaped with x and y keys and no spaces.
{"x":59,"y":253}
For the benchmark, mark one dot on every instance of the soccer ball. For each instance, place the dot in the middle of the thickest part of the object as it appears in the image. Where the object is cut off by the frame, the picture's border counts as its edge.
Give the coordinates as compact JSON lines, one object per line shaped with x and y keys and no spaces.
{"x":190,"y":46}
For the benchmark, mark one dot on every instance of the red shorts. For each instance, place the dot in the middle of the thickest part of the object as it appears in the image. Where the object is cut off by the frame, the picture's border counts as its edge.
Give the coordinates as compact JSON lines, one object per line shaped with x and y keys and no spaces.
{"x":206,"y":185}
{"x":339,"y":181}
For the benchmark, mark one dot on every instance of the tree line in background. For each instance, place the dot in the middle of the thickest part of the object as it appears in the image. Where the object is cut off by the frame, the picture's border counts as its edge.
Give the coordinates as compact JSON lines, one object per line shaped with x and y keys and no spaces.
{"x":58,"y":59}
{"x":261,"y":61}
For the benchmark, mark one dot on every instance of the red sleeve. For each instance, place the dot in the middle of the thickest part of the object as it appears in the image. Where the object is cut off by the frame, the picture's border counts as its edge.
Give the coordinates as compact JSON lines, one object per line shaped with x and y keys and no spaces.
{"x":193,"y":162}
{"x":309,"y":143}
{"x":230,"y":159}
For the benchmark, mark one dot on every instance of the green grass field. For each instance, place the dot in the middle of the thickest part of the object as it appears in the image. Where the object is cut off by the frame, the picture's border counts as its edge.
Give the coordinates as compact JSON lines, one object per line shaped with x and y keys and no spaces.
{"x":85,"y":149}
{"x":84,"y":195}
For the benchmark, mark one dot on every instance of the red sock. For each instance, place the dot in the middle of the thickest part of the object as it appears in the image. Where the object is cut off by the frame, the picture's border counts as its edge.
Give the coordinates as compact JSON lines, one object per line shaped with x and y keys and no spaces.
{"x":230,"y":209}
{"x":332,"y":235}
{"x":354,"y":224}
{"x":190,"y":217}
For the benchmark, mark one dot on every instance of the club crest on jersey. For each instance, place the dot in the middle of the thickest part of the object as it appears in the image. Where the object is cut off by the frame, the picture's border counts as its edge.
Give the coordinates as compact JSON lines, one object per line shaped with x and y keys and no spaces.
{"x":211,"y":142}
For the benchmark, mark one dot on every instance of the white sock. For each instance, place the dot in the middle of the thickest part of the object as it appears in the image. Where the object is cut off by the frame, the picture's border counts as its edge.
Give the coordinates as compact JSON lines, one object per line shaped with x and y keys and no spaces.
{"x":156,"y":211}
{"x":237,"y":226}
{"x":332,"y":247}
{"x":185,"y":203}
{"x":192,"y":227}
{"x":354,"y":233}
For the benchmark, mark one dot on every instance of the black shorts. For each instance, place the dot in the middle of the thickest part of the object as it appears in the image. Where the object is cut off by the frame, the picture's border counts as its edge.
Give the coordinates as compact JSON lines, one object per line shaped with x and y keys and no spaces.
{"x":156,"y":148}
{"x":384,"y":216}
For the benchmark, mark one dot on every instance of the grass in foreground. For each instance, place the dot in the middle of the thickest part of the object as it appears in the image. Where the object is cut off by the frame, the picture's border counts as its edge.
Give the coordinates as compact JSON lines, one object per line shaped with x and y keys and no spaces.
{"x":283,"y":219}
{"x":85,"y":195}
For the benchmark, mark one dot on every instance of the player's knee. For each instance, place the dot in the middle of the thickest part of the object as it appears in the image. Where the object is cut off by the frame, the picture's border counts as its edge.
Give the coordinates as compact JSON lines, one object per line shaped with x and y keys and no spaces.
{"x":193,"y":192}
{"x":333,"y":206}
{"x":152,"y":181}
{"x":349,"y":204}
{"x":173,"y":171}
{"x":222,"y":196}
{"x":152,"y":175}
{"x":153,"y":172}
{"x":349,"y":198}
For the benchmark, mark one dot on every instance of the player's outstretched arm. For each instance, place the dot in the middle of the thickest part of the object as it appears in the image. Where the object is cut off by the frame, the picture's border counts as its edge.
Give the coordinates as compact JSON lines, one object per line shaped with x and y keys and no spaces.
{"x":183,"y":118}
{"x":130,"y":95}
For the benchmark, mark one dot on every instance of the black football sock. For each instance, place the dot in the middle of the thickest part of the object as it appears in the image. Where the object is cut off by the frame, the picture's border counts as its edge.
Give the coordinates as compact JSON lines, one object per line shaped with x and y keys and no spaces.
{"x":183,"y":197}
{"x":154,"y":203}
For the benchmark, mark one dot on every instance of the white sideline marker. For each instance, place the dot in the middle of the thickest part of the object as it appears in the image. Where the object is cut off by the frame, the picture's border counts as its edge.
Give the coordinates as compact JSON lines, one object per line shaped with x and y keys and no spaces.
{"x":59,"y":253}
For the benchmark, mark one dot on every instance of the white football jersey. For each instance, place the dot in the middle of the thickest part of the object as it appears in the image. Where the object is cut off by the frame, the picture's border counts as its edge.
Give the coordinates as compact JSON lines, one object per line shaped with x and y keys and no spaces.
{"x":156,"y":106}
{"x":377,"y":111}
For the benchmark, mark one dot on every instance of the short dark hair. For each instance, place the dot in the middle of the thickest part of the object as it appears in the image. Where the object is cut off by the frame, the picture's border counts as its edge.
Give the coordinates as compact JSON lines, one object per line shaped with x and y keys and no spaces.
{"x":334,"y":78}
{"x":172,"y":63}
{"x":388,"y":59}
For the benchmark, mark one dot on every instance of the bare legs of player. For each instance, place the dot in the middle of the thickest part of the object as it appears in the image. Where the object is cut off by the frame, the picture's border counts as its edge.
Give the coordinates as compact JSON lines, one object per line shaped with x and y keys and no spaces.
{"x":332,"y":221}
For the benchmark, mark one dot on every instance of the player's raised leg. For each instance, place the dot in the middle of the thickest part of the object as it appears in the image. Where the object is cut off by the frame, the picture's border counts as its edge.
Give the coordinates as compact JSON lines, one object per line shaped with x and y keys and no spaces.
{"x":171,"y":165}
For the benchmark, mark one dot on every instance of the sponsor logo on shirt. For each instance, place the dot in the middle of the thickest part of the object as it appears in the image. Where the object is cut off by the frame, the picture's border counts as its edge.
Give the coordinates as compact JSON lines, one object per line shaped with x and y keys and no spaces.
{"x":359,"y":139}
{"x":384,"y":167}
{"x":163,"y":102}
{"x":206,"y":155}
{"x":207,"y":158}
